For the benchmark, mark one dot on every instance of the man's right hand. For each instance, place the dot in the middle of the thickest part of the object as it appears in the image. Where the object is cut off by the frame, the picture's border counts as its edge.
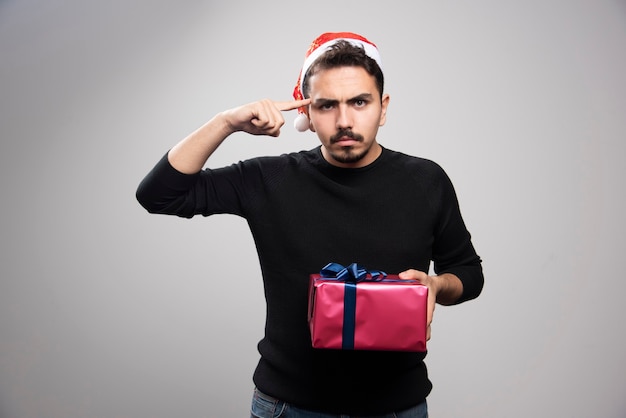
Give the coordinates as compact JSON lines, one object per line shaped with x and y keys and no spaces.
{"x":260,"y":118}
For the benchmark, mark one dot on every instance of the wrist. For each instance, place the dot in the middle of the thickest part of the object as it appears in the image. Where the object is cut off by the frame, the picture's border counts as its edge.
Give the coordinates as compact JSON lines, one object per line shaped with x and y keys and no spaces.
{"x":222,"y":124}
{"x":448,"y":288}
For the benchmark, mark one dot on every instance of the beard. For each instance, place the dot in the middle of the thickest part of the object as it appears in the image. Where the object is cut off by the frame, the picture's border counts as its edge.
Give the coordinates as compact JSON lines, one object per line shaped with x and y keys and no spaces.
{"x":347,"y":155}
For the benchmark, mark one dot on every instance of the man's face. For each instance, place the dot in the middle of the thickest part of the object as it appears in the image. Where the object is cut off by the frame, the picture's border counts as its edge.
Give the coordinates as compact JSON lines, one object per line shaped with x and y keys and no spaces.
{"x":346,"y":112}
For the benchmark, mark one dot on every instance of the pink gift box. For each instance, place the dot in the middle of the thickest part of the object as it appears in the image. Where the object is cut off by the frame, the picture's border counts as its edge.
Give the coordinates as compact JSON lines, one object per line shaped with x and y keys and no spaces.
{"x":388,"y":315}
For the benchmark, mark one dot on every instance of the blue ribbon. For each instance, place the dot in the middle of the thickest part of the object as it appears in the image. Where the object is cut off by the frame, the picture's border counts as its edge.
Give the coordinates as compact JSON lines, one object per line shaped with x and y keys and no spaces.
{"x":350,"y":275}
{"x":354,"y":273}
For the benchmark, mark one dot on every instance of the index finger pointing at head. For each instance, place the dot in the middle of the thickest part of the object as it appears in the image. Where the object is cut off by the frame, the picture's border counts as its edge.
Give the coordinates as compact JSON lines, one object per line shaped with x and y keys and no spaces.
{"x":291,"y":105}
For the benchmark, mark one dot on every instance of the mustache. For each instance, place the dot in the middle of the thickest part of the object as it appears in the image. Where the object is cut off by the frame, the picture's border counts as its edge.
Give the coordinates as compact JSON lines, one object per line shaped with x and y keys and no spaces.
{"x":345,"y":133}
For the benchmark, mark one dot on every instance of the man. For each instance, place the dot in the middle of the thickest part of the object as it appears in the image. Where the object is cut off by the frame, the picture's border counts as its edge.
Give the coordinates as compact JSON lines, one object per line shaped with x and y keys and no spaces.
{"x":348,"y":200}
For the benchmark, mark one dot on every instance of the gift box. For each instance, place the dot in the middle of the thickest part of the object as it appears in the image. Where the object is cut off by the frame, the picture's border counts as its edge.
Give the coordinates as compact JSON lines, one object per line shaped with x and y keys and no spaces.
{"x":351,"y":308}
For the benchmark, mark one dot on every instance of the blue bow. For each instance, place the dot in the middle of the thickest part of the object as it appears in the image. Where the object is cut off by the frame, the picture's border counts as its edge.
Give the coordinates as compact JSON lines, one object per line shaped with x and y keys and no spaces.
{"x":354,"y":273}
{"x":351,"y":275}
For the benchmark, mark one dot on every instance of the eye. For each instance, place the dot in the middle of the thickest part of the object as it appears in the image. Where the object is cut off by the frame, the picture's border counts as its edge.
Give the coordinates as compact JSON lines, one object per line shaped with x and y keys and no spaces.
{"x":326,"y":105}
{"x":361,"y":101}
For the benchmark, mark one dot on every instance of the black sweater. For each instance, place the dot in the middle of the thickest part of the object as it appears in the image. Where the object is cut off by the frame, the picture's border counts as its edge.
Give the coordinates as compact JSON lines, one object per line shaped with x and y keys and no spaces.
{"x":397,"y":213}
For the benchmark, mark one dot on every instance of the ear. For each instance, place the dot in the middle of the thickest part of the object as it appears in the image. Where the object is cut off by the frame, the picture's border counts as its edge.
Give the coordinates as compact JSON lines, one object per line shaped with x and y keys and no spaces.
{"x":383,"y":110}
{"x":311,"y":126}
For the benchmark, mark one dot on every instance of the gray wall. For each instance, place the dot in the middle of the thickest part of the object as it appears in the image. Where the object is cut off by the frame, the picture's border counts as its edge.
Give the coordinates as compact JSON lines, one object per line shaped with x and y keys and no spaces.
{"x":106,"y":311}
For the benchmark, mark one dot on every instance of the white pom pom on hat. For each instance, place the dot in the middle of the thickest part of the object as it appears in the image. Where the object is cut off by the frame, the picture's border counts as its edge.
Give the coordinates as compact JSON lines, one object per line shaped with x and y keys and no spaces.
{"x":301,"y":123}
{"x":320,"y":45}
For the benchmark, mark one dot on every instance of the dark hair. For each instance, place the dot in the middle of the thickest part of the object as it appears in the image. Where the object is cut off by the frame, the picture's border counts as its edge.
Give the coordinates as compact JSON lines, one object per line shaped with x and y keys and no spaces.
{"x":345,"y":54}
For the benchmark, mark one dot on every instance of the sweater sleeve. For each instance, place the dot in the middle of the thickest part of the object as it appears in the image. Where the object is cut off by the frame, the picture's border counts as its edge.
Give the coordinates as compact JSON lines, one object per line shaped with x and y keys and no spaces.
{"x":165,"y":190}
{"x":453,"y":251}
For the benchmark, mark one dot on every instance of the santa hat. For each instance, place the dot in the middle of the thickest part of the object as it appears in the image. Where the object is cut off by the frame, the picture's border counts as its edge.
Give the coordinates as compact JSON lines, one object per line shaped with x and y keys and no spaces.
{"x":320,"y":45}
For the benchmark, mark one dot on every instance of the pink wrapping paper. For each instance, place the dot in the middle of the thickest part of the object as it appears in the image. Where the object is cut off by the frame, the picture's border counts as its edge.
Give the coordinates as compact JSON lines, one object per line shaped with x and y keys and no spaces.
{"x":390,"y":314}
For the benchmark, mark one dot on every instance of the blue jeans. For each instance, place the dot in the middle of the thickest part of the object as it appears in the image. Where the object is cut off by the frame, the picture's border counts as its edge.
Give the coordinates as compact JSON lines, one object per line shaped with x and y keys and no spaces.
{"x":264,"y":406}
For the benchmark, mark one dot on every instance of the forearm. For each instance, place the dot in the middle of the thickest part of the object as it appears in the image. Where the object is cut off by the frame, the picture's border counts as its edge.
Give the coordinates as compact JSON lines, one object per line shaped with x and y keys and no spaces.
{"x":259,"y":118}
{"x":449,"y":288}
{"x":190,"y":155}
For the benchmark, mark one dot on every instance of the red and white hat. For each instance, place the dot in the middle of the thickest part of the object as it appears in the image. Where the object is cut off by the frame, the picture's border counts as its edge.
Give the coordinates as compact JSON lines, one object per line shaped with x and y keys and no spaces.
{"x":320,"y":45}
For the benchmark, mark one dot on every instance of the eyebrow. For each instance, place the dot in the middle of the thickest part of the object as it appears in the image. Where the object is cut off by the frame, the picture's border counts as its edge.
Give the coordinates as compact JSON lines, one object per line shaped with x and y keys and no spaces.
{"x":362,"y":96}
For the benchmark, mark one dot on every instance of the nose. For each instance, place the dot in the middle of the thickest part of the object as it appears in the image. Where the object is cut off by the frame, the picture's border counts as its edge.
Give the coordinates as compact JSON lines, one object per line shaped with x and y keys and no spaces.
{"x":344,"y":119}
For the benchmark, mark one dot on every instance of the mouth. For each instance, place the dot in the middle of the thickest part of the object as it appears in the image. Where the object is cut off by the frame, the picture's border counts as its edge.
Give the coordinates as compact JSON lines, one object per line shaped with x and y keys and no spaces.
{"x":346,"y":139}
